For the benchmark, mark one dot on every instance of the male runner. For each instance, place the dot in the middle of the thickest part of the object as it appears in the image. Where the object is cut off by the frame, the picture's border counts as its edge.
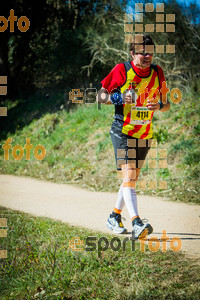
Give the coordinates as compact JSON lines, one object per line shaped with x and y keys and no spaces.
{"x":132,"y":130}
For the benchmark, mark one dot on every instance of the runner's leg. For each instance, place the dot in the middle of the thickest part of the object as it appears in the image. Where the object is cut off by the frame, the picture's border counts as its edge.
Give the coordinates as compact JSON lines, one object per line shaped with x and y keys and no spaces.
{"x":114,"y":220}
{"x":119,"y":205}
{"x":130,"y":176}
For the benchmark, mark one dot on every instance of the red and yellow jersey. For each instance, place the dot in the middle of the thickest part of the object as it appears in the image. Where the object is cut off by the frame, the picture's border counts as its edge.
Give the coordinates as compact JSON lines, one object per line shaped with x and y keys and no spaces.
{"x":135,"y":119}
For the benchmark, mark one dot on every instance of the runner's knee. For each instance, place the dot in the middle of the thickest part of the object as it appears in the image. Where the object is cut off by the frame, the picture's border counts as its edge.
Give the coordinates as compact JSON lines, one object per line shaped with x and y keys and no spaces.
{"x":130,"y":174}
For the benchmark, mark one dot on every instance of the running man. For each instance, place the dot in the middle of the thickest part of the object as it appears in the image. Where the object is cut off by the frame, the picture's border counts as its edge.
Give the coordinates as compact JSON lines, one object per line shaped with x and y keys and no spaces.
{"x":134,"y":88}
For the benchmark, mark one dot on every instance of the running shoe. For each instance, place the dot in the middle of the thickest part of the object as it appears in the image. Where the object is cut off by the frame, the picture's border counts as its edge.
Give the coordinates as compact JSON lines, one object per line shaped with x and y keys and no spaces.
{"x":115,"y":224}
{"x":140,"y":230}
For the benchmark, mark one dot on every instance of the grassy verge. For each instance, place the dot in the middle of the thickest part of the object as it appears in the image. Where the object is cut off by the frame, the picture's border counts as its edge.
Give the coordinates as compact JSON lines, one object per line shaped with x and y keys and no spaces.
{"x":40,"y":265}
{"x":79,"y":149}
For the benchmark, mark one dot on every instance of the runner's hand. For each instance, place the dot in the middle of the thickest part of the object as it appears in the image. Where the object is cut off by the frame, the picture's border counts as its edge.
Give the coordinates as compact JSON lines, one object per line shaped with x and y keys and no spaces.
{"x":128,"y":99}
{"x":152,"y":105}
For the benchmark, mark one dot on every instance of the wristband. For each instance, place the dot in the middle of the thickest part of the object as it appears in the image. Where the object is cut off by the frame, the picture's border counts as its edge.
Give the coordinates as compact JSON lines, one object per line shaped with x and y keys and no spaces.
{"x":116,"y":98}
{"x":161,"y":105}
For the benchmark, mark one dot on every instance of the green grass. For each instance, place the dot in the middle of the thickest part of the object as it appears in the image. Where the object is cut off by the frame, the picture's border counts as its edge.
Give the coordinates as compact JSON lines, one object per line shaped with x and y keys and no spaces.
{"x":40,"y":261}
{"x":79,"y":149}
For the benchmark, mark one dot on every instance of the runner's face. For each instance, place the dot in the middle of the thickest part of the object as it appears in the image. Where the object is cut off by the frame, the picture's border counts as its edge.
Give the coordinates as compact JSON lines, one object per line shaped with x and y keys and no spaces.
{"x":142,"y":61}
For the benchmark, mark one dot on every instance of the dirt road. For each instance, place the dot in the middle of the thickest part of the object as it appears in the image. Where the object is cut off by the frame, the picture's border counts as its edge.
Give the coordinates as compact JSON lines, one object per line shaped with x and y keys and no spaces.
{"x":91,"y":209}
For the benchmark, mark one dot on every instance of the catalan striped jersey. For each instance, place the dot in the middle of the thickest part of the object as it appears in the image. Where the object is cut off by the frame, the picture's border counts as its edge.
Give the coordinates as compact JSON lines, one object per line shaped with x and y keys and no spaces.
{"x":134,"y":119}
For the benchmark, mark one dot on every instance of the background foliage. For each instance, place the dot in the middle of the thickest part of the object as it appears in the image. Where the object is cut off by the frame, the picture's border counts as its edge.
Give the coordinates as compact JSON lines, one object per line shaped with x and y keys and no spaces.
{"x":72,"y":44}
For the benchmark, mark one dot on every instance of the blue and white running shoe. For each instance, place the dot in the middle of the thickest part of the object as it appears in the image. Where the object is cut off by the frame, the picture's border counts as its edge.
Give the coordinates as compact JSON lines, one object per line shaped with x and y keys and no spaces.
{"x":115,"y":224}
{"x":140,"y":230}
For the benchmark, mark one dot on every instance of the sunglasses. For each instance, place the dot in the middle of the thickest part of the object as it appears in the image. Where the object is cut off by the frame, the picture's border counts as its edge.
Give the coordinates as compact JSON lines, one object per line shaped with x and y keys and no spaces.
{"x":145,"y":54}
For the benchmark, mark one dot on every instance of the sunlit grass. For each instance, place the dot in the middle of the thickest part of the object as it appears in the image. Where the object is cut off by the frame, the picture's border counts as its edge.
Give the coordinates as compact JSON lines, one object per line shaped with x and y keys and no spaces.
{"x":41,"y":264}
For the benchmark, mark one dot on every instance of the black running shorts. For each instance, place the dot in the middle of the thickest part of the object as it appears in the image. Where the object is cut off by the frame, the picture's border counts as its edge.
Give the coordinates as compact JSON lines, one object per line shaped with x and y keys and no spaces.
{"x":128,"y":149}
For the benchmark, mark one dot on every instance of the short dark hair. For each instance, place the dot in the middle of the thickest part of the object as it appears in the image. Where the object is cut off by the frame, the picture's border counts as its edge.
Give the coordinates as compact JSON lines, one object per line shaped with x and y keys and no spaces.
{"x":147,"y":40}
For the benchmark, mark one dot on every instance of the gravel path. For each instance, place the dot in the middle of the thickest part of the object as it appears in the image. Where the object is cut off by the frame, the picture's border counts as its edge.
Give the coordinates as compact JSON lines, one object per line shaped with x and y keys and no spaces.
{"x":88,"y":209}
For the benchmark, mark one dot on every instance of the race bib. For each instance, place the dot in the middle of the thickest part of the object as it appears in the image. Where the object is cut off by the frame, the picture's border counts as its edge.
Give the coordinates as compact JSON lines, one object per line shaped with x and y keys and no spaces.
{"x":140,"y":115}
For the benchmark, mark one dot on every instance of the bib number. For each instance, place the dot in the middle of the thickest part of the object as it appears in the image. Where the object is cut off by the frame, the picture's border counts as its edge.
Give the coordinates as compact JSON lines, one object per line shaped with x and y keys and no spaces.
{"x":140,"y":115}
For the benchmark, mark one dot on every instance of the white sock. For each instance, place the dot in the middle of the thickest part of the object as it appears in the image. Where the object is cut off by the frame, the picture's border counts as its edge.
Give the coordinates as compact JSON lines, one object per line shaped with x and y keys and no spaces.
{"x":120,"y":200}
{"x":130,"y":200}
